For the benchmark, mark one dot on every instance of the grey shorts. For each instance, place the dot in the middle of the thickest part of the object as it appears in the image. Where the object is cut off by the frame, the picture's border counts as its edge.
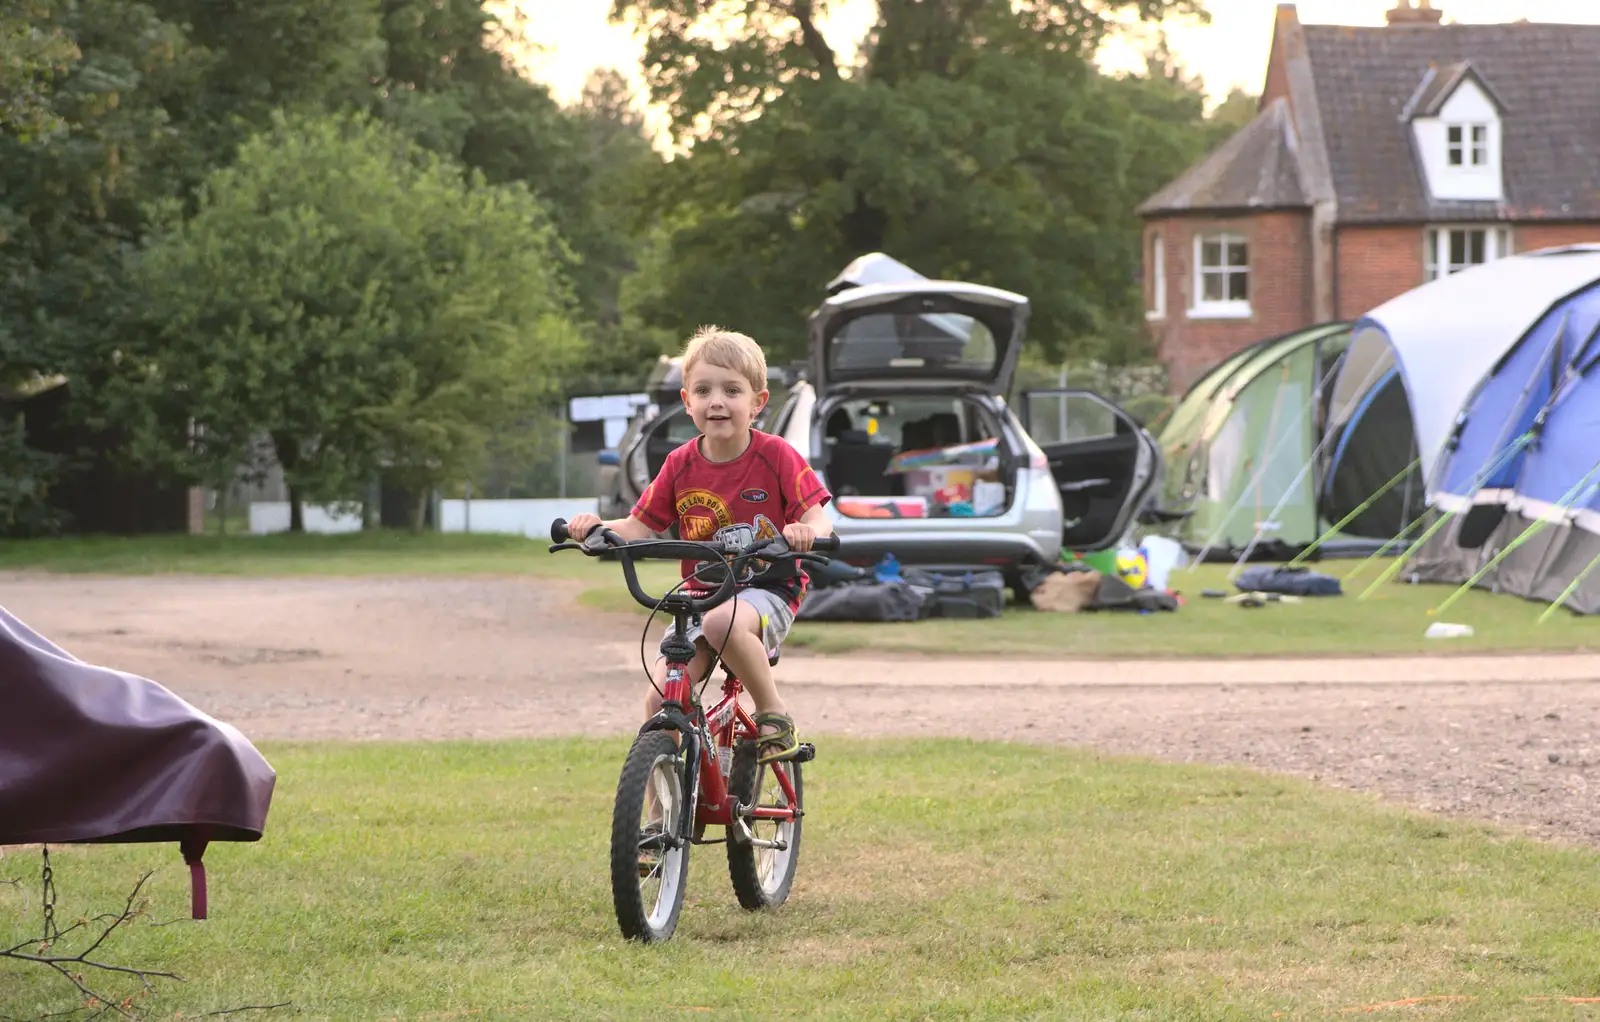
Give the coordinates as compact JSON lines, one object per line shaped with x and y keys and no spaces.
{"x":776,"y":618}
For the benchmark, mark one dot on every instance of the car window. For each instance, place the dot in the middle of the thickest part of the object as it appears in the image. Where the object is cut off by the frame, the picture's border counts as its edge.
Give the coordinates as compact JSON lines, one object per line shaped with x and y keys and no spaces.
{"x":903,"y":423}
{"x":1067,"y":418}
{"x":677,"y":429}
{"x":943,"y":340}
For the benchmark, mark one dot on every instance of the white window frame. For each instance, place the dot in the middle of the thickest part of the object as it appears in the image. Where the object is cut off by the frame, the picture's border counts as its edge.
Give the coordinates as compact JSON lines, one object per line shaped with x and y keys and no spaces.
{"x":1226,"y":308}
{"x":1466,"y":145}
{"x":1157,"y":261}
{"x":1436,"y":242}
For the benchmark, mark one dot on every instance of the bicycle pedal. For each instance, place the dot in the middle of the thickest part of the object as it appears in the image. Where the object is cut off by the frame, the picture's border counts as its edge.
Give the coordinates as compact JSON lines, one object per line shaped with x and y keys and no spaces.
{"x":805,"y":752}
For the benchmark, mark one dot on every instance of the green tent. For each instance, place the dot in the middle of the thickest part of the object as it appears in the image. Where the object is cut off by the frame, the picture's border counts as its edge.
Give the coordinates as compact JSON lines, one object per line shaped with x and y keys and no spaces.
{"x":1245,"y":450}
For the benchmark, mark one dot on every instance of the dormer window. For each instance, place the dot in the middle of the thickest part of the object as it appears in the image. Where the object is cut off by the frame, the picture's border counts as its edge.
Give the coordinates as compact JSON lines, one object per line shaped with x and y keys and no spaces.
{"x":1469,"y":145}
{"x":1458,"y":133}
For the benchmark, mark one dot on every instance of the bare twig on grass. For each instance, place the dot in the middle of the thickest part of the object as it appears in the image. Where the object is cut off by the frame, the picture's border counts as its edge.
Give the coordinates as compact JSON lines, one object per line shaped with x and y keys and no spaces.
{"x":74,"y":968}
{"x":64,"y":965}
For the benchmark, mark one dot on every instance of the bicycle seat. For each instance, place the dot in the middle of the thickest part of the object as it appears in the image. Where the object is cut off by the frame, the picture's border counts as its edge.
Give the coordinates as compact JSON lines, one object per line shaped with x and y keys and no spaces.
{"x":772,"y":661}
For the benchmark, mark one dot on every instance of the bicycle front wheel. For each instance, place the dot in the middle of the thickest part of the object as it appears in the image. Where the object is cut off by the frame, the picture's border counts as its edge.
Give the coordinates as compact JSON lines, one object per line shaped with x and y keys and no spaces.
{"x":763,"y":873}
{"x":649,"y":861}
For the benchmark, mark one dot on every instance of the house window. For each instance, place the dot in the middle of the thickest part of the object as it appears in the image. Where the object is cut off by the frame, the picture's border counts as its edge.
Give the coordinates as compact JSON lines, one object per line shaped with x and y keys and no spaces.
{"x":1469,"y":145}
{"x":1447,"y":250}
{"x":1221,"y":275}
{"x":1157,"y":307}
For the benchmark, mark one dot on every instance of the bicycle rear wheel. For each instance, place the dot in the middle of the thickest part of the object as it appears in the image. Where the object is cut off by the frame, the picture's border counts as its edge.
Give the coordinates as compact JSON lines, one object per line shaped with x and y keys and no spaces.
{"x":649,"y":862}
{"x":763,"y":876}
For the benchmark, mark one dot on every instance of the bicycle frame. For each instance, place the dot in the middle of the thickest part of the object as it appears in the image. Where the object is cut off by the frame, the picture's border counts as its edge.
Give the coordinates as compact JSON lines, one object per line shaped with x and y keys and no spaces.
{"x":708,"y":732}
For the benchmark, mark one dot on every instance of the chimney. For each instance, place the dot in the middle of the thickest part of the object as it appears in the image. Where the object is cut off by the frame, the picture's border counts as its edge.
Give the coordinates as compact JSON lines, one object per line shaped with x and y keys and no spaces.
{"x":1414,"y":12}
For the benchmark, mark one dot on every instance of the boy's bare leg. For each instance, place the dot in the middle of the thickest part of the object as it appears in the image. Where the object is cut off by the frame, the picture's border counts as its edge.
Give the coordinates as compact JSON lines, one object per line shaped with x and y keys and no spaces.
{"x":745,"y":651}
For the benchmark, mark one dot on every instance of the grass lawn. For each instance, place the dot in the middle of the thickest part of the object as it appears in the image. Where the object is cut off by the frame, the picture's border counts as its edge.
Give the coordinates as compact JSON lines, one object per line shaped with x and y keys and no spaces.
{"x":376,"y":552}
{"x":937,"y":879}
{"x":1391,"y":621}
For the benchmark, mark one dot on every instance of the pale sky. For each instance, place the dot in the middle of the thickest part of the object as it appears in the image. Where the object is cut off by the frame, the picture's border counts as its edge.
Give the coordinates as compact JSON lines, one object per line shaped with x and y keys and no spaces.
{"x":575,"y":35}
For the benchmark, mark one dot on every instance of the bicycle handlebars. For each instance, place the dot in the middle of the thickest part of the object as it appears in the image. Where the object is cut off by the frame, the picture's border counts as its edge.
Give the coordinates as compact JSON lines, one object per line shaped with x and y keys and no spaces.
{"x":736,"y":545}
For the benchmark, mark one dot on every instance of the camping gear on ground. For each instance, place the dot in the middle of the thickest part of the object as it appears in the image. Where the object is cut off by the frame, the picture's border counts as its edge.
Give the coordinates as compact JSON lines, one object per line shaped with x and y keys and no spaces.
{"x":1251,"y":600}
{"x":97,"y":756}
{"x":1103,"y":561}
{"x":865,"y":600}
{"x":887,"y":569}
{"x":1248,"y":457}
{"x":1517,"y":484}
{"x":1115,"y":594}
{"x":1066,"y":592}
{"x":1133,"y":567}
{"x":970,"y":594}
{"x":1266,"y":578}
{"x":1162,"y":555}
{"x":909,"y":594}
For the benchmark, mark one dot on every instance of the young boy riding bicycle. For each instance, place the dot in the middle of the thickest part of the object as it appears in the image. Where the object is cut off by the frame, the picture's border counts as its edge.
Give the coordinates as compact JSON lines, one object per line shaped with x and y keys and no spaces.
{"x":733,"y":475}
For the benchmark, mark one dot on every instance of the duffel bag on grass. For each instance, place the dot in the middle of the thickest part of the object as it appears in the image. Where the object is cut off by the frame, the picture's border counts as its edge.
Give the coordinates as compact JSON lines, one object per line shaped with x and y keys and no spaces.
{"x":864,"y":601}
{"x":965,"y":594}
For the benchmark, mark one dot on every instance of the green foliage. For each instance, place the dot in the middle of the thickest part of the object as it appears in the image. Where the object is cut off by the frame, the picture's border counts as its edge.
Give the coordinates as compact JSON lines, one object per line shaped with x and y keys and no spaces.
{"x":973,"y":140}
{"x":70,"y":198}
{"x":352,"y":297}
{"x":26,"y":476}
{"x":32,"y":51}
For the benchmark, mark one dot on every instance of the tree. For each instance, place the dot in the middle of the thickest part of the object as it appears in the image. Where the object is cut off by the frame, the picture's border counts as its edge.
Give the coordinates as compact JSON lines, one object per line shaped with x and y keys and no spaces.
{"x":449,"y":84}
{"x":75,"y":167}
{"x":483,"y":334}
{"x":32,"y":51}
{"x":350,"y":296}
{"x":973,"y":138}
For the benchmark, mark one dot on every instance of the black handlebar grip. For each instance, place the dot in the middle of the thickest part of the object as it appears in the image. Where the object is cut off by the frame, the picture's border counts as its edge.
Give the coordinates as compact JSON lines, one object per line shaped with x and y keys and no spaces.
{"x":558,"y":531}
{"x":825,"y":543}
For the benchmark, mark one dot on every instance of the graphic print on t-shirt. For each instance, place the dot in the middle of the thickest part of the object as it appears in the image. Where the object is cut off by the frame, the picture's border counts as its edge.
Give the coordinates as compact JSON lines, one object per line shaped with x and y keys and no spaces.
{"x":700,"y":514}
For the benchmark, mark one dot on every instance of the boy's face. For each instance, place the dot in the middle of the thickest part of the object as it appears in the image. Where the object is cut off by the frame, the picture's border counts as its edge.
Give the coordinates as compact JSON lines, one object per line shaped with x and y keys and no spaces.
{"x":721,"y":401}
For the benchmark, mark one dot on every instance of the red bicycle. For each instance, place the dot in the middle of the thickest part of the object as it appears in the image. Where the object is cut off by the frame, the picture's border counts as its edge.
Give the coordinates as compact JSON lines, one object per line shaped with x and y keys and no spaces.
{"x":689,"y":767}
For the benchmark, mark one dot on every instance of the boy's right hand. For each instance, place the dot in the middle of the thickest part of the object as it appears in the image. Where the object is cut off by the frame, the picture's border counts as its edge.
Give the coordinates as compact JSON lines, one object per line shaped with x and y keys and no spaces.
{"x":581,"y":525}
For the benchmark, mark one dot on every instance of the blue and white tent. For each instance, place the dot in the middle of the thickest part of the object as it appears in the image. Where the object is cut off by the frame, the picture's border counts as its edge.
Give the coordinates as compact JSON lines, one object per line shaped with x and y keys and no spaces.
{"x":1501,"y":365}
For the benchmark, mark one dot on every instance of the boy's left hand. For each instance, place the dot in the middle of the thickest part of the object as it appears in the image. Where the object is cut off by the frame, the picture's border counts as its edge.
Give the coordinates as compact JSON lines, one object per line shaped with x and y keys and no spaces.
{"x":799,"y":536}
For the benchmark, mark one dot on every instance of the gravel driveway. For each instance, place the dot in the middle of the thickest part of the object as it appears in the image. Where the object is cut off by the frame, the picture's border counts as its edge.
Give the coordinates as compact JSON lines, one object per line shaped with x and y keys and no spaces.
{"x":1511,"y":739}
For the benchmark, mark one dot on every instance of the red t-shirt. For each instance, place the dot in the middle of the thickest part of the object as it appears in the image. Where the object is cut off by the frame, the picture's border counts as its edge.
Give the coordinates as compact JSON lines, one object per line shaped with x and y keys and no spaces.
{"x":767,"y":487}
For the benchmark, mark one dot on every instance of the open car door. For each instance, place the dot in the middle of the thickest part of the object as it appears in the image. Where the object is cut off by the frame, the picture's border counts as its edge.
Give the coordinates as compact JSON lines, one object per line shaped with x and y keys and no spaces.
{"x":1106,"y":465}
{"x":658,"y":437}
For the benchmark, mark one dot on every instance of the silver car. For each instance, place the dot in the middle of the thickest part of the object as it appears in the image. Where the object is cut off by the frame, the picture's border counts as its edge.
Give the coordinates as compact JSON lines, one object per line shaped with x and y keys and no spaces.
{"x":902,"y":413}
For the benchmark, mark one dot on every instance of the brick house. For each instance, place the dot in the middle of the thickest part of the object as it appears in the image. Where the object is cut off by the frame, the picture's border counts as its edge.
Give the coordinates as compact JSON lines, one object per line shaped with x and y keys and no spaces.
{"x":1380,"y":158}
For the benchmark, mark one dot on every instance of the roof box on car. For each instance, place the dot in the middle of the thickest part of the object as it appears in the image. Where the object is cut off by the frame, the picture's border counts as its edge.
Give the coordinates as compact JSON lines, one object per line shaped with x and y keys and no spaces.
{"x":872,"y":268}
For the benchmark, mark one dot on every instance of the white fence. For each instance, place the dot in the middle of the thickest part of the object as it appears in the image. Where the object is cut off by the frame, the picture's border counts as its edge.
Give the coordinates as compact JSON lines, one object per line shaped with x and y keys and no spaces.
{"x":523,"y":517}
{"x":528,"y":517}
{"x":273,"y":516}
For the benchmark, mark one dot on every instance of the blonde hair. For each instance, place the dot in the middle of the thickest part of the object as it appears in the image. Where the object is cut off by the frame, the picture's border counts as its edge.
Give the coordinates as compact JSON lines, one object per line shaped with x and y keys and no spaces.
{"x":729,"y":350}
